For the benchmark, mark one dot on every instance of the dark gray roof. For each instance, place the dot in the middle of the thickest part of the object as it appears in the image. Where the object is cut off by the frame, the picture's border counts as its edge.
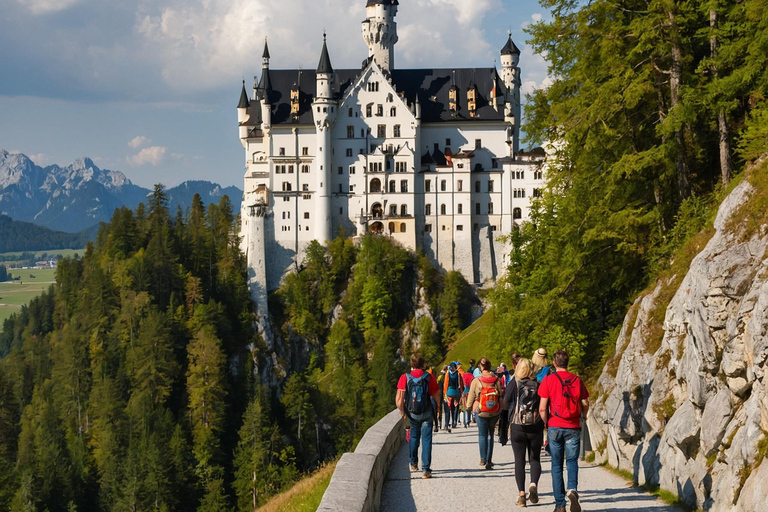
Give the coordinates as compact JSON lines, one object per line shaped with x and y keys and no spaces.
{"x":243,"y":98}
{"x":265,"y":55}
{"x":385,"y":2}
{"x":430,"y":86}
{"x":324,"y":66}
{"x":510,"y":48}
{"x":265,"y":88}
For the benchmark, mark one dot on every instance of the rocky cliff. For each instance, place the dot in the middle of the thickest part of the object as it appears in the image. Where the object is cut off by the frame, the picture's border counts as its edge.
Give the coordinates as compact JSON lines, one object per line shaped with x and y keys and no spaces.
{"x":686,"y":407}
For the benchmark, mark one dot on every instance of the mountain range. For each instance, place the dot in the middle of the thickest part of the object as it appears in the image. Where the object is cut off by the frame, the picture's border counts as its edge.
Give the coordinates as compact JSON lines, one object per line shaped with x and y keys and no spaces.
{"x":80,"y":195}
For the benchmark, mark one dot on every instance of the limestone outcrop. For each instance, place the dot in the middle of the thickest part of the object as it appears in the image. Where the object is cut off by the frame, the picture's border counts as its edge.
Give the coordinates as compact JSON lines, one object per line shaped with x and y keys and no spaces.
{"x":686,"y":408}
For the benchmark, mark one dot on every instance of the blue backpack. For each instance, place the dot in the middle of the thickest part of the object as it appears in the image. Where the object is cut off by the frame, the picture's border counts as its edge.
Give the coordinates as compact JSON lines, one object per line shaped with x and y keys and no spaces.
{"x":543,"y":373}
{"x":417,"y":400}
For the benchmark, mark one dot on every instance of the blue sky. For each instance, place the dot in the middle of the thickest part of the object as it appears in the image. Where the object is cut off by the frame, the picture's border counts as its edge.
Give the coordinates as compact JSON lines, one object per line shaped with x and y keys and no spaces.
{"x":149,"y":87}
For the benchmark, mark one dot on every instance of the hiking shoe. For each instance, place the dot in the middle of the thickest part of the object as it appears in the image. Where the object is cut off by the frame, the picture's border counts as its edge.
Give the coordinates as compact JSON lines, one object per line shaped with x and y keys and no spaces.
{"x":414,"y":467}
{"x":482,"y":462}
{"x":449,"y":430}
{"x":533,"y":493}
{"x":559,"y":509}
{"x":521,"y":501}
{"x":489,"y":466}
{"x":426,"y":474}
{"x":574,"y":497}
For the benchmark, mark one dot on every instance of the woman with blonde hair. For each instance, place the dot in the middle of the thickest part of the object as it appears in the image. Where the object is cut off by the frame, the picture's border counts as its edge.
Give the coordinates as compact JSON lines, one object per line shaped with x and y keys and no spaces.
{"x":485,"y":396}
{"x":526,"y":428}
{"x":541,"y":364}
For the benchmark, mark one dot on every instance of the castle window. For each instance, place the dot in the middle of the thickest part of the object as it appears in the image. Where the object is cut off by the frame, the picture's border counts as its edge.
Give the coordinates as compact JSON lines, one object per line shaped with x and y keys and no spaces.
{"x":305,"y":187}
{"x":290,"y":169}
{"x":401,"y":166}
{"x":428,"y":186}
{"x":460,"y":166}
{"x":341,"y":170}
{"x":427,"y":228}
{"x":379,"y":110}
{"x":490,"y":186}
{"x":428,"y":209}
{"x":304,"y":169}
{"x":391,"y":227}
{"x":351,"y":169}
{"x":537,"y":192}
{"x":447,"y":142}
{"x":307,"y":196}
{"x":459,"y":227}
{"x":490,"y":208}
{"x":350,"y":111}
{"x":375,"y":185}
{"x":494,"y":163}
{"x":375,"y":167}
{"x":459,"y":185}
{"x":381,"y":131}
{"x":362,"y":134}
{"x":402,"y":227}
{"x":393,"y":210}
{"x":537,"y":175}
{"x":341,"y":210}
{"x":286,"y":186}
{"x":493,"y":228}
{"x":403,"y":185}
{"x":305,"y":151}
{"x":396,"y":131}
{"x":369,"y":110}
{"x":349,"y":151}
{"x":281,"y":152}
{"x":443,"y":227}
{"x":392,"y":186}
{"x":478,"y":143}
{"x":442,"y":209}
{"x":460,"y":208}
{"x":403,"y":210}
{"x":341,"y":190}
{"x":306,"y":215}
{"x":325,"y":110}
{"x":350,"y":132}
{"x":442,"y":185}
{"x":286,"y":199}
{"x":477,"y":208}
{"x":393,"y":112}
{"x":477,"y":186}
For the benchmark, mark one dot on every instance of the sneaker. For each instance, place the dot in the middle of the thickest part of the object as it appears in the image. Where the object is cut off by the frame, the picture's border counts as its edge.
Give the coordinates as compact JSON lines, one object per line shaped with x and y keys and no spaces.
{"x":489,"y":466}
{"x":426,"y":474}
{"x":414,"y":467}
{"x":449,"y":430}
{"x":533,"y":493}
{"x":574,"y":497}
{"x":521,"y":501}
{"x":436,"y":430}
{"x":482,"y":462}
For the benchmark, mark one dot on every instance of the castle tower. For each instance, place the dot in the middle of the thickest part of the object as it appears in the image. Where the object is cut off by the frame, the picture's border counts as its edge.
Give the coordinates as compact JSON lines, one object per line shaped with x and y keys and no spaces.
{"x":510,"y":73}
{"x":324,"y":109}
{"x":380,"y":32}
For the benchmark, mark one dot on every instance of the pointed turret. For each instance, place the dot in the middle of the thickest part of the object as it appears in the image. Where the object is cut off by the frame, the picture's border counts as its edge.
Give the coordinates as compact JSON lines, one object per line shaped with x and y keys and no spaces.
{"x":510,"y":48}
{"x":510,"y":74}
{"x":265,"y":55}
{"x":325,"y":75}
{"x":244,"y":103}
{"x":324,"y":66}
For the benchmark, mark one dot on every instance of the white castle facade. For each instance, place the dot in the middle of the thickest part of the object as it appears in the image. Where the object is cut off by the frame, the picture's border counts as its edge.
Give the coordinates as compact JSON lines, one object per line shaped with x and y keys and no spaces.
{"x":428,"y":157}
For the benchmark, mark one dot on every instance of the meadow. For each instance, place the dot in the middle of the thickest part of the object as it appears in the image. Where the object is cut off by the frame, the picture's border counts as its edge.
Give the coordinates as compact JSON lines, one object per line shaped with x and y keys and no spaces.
{"x":13,"y":294}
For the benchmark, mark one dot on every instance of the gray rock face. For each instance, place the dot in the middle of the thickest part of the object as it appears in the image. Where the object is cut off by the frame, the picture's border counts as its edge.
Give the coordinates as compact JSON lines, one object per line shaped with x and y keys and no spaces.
{"x":691,"y":415}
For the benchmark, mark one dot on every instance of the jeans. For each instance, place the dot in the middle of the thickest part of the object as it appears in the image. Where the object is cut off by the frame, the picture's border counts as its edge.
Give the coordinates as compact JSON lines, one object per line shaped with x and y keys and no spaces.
{"x":421,"y":430}
{"x":485,"y":428}
{"x":467,"y":417}
{"x":564,"y":442}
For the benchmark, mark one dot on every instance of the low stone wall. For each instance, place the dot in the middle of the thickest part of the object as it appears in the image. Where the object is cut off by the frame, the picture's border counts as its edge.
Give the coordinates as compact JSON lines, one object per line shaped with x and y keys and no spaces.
{"x":359,"y":476}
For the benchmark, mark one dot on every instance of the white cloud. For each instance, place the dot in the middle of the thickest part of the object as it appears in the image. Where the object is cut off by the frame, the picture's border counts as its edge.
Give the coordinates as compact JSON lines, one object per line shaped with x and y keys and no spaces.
{"x":536,"y":17}
{"x":48,"y":6}
{"x":139,"y":141}
{"x":152,"y":155}
{"x":41,"y":159}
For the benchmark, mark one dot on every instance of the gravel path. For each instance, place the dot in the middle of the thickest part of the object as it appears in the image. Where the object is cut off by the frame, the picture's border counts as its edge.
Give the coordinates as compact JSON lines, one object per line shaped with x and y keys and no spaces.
{"x":458,"y":481}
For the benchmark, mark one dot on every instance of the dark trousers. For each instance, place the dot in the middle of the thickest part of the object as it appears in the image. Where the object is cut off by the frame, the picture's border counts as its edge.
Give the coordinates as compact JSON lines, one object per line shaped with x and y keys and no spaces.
{"x":527,"y":438}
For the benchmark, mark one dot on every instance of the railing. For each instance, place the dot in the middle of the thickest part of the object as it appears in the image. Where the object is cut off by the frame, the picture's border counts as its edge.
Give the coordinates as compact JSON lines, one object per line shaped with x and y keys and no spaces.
{"x":359,"y":476}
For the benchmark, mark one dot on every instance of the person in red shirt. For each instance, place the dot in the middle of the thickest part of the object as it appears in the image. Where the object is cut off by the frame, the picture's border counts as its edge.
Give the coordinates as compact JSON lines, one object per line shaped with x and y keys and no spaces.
{"x":410,"y":395}
{"x":564,"y":403}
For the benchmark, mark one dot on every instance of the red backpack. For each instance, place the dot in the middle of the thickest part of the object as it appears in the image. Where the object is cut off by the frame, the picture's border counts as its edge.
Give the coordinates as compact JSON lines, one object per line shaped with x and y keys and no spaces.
{"x":569,"y":407}
{"x":489,"y":398}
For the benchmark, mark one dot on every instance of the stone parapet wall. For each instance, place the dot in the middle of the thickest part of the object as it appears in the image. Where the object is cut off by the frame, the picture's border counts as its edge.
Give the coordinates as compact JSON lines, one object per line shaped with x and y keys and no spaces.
{"x":359,"y":476}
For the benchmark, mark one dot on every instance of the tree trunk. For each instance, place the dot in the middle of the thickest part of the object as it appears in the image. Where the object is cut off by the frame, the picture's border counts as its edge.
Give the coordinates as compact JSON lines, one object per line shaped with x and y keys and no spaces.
{"x":675,"y":81}
{"x":726,"y":164}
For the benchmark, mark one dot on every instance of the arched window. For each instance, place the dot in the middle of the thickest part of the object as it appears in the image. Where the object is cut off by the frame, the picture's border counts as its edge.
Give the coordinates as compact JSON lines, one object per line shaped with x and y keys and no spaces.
{"x":376,"y":210}
{"x":402,"y":227}
{"x":517,"y":213}
{"x":460,"y":208}
{"x":393,"y":112}
{"x":403,"y":210}
{"x":442,"y":209}
{"x":392,"y":186}
{"x":375,"y":185}
{"x":391,"y":227}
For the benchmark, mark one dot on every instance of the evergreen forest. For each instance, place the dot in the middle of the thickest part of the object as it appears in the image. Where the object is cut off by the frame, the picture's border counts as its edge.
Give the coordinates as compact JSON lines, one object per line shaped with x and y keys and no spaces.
{"x":655,"y":109}
{"x":138,"y":380}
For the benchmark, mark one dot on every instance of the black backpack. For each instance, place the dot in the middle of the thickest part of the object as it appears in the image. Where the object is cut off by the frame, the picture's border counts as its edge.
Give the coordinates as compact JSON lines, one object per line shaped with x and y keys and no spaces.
{"x":417,"y":399}
{"x":526,"y":411}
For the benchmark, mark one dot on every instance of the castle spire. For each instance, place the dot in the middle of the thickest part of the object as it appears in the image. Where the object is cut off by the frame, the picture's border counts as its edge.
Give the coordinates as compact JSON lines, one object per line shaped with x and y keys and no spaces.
{"x":265,"y":55}
{"x":243,"y":98}
{"x":324,"y":66}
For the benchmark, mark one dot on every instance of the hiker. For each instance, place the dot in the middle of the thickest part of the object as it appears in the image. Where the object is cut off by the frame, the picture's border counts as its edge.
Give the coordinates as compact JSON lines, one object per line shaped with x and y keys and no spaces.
{"x":438,"y":402}
{"x":564,"y":403}
{"x":541,"y":366}
{"x":514,"y":359}
{"x":471,"y":368}
{"x":414,"y":390}
{"x":526,"y":428}
{"x":485,"y":395}
{"x":466,"y":407}
{"x":452,"y":390}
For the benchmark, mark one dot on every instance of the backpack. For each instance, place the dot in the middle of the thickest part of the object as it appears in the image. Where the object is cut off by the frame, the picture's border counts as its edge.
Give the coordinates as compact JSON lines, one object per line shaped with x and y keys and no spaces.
{"x":490,"y":401}
{"x":417,"y":400}
{"x":569,"y":407}
{"x":526,"y":410}
{"x":543,"y":373}
{"x":453,"y":385}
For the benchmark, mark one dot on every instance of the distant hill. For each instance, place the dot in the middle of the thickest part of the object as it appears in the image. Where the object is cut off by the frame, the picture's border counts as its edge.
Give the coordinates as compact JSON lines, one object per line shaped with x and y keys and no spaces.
{"x":79,"y":196}
{"x":25,"y":236}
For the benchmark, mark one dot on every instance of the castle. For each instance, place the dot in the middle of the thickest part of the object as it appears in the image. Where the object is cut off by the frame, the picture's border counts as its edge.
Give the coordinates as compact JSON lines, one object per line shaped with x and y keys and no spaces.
{"x":427,"y":157}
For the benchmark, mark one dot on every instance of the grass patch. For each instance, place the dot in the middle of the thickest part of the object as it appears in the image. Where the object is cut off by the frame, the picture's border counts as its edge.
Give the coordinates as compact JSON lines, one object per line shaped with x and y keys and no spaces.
{"x":590,"y":457}
{"x":12,"y":257}
{"x":304,"y":496}
{"x":474,"y":342}
{"x":14,"y":294}
{"x":665,"y":409}
{"x":667,"y":497}
{"x":753,"y":214}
